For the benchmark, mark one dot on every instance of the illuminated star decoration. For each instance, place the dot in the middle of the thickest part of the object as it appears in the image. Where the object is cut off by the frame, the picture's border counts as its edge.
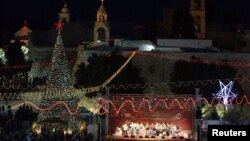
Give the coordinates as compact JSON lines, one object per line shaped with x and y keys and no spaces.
{"x":59,"y":25}
{"x":225,"y":95}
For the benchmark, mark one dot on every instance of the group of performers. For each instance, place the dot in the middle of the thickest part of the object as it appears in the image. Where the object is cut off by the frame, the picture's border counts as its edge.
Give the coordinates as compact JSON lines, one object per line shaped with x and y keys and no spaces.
{"x":132,"y":129}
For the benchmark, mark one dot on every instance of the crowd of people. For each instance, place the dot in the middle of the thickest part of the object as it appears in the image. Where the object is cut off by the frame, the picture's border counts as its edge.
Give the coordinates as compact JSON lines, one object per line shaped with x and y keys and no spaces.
{"x":12,"y":128}
{"x":135,"y":129}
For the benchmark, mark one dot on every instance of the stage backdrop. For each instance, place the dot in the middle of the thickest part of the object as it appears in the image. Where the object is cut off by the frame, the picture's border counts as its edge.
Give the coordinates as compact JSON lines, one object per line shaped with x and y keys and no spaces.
{"x":175,"y":116}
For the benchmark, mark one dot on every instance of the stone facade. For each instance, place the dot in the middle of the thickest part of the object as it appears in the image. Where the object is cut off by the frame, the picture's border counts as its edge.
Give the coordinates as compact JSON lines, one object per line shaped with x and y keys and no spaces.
{"x":154,"y":69}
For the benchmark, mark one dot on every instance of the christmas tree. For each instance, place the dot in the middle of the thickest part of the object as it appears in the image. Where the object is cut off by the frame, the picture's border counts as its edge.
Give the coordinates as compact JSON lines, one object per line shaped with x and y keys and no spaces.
{"x":59,"y":88}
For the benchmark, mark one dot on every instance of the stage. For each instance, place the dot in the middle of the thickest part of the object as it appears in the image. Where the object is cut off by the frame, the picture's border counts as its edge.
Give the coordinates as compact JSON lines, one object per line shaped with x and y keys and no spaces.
{"x":137,"y":120}
{"x":120,"y":138}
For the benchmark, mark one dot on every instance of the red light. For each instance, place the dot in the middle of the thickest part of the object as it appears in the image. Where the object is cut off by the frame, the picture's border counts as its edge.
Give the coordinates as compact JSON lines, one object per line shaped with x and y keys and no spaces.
{"x":59,"y":25}
{"x":117,"y":109}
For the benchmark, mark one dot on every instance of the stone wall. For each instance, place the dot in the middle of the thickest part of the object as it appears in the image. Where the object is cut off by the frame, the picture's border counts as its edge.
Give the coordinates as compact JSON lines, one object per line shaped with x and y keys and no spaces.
{"x":154,"y":68}
{"x":157,"y":69}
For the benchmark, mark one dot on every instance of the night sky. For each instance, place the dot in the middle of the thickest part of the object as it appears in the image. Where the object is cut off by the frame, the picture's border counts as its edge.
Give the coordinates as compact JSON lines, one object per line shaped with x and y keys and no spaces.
{"x":44,"y":13}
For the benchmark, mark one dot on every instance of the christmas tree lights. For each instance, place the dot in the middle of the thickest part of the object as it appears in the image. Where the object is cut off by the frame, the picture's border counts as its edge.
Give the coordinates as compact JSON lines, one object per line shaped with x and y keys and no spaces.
{"x":59,"y":79}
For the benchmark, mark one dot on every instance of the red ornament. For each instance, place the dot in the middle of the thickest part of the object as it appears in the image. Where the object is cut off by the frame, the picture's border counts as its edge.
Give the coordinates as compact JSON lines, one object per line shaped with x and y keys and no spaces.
{"x":59,"y":25}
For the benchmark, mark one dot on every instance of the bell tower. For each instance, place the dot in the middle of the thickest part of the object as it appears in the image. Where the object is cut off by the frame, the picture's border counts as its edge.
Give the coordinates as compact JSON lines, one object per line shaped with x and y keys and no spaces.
{"x":64,"y":15}
{"x":198,"y":12}
{"x":101,"y":27}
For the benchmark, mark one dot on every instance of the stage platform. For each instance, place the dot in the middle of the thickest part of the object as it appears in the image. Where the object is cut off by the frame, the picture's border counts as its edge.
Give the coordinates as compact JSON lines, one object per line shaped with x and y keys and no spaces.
{"x":118,"y":138}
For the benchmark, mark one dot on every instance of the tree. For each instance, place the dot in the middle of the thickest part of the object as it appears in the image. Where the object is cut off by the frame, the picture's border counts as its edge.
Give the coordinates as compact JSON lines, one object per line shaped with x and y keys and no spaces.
{"x":201,"y":71}
{"x":15,"y":67}
{"x":183,"y":25}
{"x":210,"y":113}
{"x":59,"y":88}
{"x":101,"y":67}
{"x":16,"y":61}
{"x":1,"y":70}
{"x":235,"y":114}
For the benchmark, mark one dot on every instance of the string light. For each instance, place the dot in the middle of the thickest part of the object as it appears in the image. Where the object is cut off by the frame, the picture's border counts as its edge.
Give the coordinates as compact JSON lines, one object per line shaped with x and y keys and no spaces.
{"x":103,"y":85}
{"x":229,"y":63}
{"x":182,"y":103}
{"x":47,"y":108}
{"x":195,"y":61}
{"x":178,"y":84}
{"x":151,"y":54}
{"x":141,"y":86}
{"x":34,"y":65}
{"x":74,"y":92}
{"x":59,"y":78}
{"x":70,"y":61}
{"x":169,"y":103}
{"x":42,"y":94}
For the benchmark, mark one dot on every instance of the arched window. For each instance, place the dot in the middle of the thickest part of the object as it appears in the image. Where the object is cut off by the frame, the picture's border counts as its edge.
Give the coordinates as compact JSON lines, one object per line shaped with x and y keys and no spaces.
{"x":101,"y":35}
{"x":197,"y":23}
{"x":64,"y":20}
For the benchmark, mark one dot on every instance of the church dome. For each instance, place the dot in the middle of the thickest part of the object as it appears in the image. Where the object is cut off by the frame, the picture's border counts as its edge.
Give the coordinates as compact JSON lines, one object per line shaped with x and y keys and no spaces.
{"x":65,"y":9}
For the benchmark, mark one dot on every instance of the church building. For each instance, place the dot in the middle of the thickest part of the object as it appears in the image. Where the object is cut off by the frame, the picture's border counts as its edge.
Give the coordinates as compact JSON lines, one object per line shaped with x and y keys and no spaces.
{"x":23,"y":34}
{"x":101,"y":28}
{"x":74,"y":34}
{"x":197,"y":10}
{"x":96,"y":32}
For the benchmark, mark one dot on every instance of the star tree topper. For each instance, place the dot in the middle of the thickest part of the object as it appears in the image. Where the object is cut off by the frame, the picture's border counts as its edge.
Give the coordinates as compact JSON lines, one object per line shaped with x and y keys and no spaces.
{"x":225,"y":95}
{"x":59,"y":25}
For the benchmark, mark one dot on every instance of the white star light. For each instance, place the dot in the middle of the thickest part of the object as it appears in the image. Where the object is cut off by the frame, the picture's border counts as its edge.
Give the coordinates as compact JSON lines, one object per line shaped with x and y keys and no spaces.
{"x":225,"y":95}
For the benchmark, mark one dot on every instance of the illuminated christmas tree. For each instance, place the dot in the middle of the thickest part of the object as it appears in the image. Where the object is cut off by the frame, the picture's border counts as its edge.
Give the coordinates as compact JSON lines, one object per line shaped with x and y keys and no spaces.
{"x":59,"y":88}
